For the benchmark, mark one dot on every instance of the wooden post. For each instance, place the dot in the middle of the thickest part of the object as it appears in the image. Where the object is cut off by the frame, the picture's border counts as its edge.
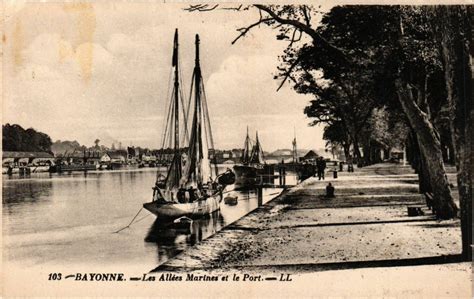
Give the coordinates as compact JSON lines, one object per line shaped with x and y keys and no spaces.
{"x":280,"y":175}
{"x":260,"y":195}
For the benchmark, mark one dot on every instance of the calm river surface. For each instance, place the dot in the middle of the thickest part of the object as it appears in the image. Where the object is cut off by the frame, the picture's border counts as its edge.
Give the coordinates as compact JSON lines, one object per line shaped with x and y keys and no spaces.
{"x":70,"y":219}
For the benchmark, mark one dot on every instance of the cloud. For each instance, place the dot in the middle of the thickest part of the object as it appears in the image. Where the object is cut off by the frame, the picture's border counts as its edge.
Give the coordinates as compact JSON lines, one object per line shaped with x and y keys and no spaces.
{"x":245,"y":85}
{"x":116,"y":83}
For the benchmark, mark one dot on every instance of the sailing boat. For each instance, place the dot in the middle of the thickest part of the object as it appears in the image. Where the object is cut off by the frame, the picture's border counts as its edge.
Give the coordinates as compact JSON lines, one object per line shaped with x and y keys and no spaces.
{"x":192,"y":188}
{"x":253,"y":162}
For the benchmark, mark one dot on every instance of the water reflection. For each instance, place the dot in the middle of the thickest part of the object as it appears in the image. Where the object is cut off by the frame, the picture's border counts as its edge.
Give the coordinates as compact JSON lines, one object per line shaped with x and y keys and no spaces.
{"x":24,"y":191}
{"x":43,"y":214}
{"x":172,"y":238}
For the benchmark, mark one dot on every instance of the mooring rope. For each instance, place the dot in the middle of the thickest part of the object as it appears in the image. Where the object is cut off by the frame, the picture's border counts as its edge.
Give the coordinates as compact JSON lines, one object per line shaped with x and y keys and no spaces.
{"x":130,"y":222}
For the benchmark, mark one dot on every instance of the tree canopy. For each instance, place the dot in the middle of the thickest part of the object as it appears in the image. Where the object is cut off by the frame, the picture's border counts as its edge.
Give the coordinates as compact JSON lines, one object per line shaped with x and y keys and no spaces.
{"x":15,"y":138}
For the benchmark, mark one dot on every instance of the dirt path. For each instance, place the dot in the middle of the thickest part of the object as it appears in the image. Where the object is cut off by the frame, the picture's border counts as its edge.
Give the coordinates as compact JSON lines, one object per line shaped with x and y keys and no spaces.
{"x":366,"y":223}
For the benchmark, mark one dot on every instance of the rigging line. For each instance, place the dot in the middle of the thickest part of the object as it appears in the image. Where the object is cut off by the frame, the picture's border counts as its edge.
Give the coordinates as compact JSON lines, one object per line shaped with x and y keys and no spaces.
{"x":168,"y":119}
{"x":204,"y":116}
{"x":185,"y":137}
{"x":206,"y":112}
{"x":130,"y":222}
{"x":185,"y":117}
{"x":167,"y":123}
{"x":190,"y":96}
{"x":142,"y":218}
{"x":208,"y":123}
{"x":185,"y":122}
{"x":188,"y":108}
{"x":168,"y":97}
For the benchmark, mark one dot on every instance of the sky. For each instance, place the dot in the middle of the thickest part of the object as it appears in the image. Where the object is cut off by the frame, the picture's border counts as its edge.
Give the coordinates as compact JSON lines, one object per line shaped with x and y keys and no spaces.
{"x":87,"y":71}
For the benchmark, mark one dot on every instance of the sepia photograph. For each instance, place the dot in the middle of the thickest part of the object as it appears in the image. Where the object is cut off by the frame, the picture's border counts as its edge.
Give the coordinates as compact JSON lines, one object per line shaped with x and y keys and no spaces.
{"x":228,"y":150}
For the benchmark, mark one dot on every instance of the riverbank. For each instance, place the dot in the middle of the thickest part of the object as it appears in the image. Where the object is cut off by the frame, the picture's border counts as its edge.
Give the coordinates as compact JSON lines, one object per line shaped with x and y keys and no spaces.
{"x":365,"y":226}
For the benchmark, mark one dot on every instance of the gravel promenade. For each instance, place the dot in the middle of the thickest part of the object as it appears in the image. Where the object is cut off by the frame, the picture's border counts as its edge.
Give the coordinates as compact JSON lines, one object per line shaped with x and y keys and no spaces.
{"x":365,"y":226}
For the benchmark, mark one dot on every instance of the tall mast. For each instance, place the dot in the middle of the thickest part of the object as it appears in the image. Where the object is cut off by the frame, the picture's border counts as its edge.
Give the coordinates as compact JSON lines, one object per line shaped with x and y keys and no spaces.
{"x":175,"y":170}
{"x":198,"y":169}
{"x":176,"y":92}
{"x":197,"y":94}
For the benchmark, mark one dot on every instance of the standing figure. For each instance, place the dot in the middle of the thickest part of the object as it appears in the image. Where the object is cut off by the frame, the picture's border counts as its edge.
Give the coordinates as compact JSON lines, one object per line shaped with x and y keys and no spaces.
{"x":321,"y":165}
{"x":318,"y":167}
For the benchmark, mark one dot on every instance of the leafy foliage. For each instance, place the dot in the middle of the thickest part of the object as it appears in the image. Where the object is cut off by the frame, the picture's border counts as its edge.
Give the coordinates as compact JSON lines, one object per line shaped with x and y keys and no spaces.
{"x":15,"y":138}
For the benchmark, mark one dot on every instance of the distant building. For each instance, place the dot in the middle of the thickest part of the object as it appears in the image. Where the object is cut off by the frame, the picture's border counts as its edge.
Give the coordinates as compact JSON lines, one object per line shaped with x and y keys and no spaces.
{"x":80,"y":157}
{"x":105,"y":158}
{"x":26,"y":158}
{"x":310,"y":156}
{"x":117,"y":156}
{"x":237,"y":153}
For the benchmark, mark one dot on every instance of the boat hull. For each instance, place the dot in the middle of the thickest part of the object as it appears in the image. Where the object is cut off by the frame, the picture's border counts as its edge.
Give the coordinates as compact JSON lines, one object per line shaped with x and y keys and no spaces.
{"x":245,"y":176}
{"x":72,"y":167}
{"x":175,"y":210}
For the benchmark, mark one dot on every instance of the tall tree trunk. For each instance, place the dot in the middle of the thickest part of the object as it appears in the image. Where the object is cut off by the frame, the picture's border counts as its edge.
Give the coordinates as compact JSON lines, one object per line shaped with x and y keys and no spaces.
{"x":424,"y":175}
{"x":430,"y":149}
{"x":357,"y":153}
{"x":458,"y":77}
{"x":444,"y":149}
{"x":347,"y":150}
{"x":412,"y":152}
{"x":367,"y":150}
{"x":451,"y":158}
{"x":420,"y":165}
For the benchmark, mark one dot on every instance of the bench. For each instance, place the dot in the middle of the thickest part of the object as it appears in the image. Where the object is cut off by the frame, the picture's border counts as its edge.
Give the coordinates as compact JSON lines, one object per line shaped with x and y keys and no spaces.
{"x":415,"y":211}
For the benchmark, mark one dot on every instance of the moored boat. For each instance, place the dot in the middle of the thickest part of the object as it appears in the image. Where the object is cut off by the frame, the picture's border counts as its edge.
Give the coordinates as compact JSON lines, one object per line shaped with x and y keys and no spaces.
{"x":250,"y":173}
{"x":192,"y":187}
{"x":231,"y":200}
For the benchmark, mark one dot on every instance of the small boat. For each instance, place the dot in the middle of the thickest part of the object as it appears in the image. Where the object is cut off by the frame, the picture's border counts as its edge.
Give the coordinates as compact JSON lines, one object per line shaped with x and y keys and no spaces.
{"x":231,"y":200}
{"x":192,"y":187}
{"x":182,"y":222}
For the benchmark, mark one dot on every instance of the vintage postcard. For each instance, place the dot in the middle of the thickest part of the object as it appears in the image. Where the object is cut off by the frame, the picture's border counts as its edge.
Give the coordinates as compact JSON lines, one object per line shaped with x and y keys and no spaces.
{"x":236,"y":149}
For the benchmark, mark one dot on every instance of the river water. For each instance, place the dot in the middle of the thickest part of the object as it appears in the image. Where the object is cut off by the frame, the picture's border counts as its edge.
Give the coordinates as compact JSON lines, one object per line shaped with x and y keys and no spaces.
{"x":71,"y":219}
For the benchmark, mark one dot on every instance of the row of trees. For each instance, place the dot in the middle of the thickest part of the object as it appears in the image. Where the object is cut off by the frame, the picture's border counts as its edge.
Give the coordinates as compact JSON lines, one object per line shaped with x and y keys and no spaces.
{"x":17,"y":139}
{"x":383,"y":76}
{"x":387,"y":75}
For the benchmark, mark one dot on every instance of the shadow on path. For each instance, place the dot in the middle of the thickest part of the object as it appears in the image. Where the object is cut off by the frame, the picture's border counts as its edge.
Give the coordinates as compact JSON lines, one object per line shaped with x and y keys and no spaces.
{"x":315,"y":267}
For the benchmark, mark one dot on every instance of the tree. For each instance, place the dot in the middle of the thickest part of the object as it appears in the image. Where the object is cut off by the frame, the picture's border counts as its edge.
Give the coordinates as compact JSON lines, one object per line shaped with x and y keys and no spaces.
{"x":15,"y":138}
{"x":336,"y":134}
{"x":387,"y":129}
{"x":454,"y":37}
{"x":398,"y":46}
{"x":395,"y":42}
{"x":62,"y":147}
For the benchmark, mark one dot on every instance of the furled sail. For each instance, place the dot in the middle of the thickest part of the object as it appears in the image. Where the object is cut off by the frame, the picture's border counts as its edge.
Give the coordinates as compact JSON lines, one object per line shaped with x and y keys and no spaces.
{"x":171,"y":135}
{"x":246,"y":155}
{"x":257,"y":153}
{"x":197,"y":170}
